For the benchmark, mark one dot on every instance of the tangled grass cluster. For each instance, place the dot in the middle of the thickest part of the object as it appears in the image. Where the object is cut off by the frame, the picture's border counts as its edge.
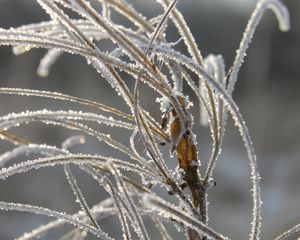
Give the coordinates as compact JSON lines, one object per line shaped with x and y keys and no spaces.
{"x":142,"y":55}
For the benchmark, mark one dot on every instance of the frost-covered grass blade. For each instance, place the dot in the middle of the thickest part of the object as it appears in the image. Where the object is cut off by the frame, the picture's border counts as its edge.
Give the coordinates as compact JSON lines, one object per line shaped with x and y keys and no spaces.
{"x":133,"y":182}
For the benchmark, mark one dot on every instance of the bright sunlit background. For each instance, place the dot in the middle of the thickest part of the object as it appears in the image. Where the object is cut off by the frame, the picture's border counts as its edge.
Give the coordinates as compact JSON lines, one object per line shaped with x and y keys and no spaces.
{"x":268,"y":93}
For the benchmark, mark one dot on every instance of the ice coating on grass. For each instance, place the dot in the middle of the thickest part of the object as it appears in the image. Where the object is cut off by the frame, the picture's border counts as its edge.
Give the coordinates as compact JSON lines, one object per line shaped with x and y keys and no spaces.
{"x":137,"y":223}
{"x":60,"y":96}
{"x":44,"y":211}
{"x":289,"y":232}
{"x":120,"y":208}
{"x":231,"y":105}
{"x":100,"y":210}
{"x":185,"y":32}
{"x":15,"y":119}
{"x":73,"y":141}
{"x":79,"y":196}
{"x":47,"y":61}
{"x":63,"y":34}
{"x":26,"y":149}
{"x":170,"y":211}
{"x":69,"y":125}
{"x":283,"y":19}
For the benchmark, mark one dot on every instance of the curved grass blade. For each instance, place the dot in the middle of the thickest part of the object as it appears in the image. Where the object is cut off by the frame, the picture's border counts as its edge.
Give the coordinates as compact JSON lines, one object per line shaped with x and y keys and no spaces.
{"x":169,"y":211}
{"x":282,"y":16}
{"x":47,"y":212}
{"x":100,"y":210}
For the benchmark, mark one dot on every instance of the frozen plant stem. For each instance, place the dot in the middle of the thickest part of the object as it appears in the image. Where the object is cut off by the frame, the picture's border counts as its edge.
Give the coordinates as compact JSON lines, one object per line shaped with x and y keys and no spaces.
{"x":133,"y":181}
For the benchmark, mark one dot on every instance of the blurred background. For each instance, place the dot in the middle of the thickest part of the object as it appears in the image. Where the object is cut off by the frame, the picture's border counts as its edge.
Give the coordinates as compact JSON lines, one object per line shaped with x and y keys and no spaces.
{"x":267,"y":92}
